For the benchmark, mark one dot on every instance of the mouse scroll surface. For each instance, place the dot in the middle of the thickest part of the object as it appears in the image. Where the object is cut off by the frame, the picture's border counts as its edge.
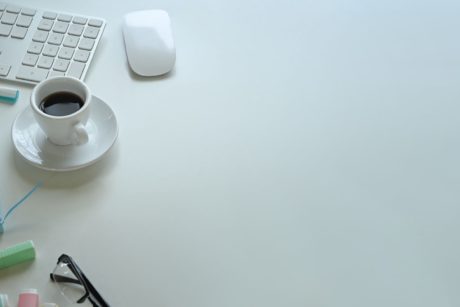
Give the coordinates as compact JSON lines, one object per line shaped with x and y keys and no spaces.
{"x":149,"y":42}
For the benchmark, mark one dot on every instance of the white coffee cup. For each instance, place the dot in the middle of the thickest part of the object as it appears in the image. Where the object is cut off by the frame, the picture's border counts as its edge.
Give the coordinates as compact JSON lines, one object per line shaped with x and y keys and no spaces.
{"x":62,"y":129}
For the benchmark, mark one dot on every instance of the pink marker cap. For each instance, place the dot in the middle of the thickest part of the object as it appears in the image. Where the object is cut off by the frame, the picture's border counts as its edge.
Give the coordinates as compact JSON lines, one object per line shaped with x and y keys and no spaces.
{"x":28,"y":298}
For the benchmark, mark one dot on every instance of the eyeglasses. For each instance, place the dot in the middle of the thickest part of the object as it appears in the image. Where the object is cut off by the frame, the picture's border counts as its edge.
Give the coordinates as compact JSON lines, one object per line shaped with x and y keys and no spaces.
{"x":74,"y":284}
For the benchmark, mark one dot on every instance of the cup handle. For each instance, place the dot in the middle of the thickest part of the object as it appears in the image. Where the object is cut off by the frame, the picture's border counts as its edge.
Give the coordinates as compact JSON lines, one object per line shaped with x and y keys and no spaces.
{"x":80,"y":135}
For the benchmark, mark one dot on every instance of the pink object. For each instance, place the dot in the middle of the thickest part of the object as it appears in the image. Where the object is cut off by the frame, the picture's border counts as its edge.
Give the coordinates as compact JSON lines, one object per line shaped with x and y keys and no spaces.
{"x":28,"y":298}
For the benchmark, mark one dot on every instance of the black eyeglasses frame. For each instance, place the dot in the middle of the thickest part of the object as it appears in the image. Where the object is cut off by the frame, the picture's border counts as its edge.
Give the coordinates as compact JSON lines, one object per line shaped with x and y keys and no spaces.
{"x":90,"y":291}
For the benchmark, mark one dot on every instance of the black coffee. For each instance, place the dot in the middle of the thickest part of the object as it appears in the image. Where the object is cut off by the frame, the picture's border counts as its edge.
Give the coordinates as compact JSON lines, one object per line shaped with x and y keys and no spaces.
{"x":61,"y":104}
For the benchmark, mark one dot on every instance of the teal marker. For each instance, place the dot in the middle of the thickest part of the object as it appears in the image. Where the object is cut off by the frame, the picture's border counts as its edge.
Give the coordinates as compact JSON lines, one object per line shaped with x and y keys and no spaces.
{"x":4,"y":300}
{"x":9,"y":96}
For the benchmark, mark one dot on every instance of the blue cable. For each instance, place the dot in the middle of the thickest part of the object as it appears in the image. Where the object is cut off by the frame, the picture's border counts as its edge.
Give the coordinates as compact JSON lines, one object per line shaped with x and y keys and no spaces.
{"x":20,"y":202}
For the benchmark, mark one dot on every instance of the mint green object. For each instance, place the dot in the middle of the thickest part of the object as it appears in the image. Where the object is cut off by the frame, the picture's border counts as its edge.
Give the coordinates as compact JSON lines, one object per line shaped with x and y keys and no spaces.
{"x":16,"y":254}
{"x":4,"y":300}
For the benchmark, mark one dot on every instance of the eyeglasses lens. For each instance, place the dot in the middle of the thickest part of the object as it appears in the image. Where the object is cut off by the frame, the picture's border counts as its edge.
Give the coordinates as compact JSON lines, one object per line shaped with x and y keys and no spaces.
{"x":68,"y":283}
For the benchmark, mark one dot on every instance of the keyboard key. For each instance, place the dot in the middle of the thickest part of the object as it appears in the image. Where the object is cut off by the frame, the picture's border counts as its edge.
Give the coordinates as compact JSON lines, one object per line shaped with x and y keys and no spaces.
{"x":30,"y":59}
{"x":19,"y":32}
{"x":24,"y":21}
{"x":13,"y":9}
{"x":50,"y":50}
{"x":2,"y":6}
{"x":45,"y":24}
{"x":95,"y":23}
{"x":4,"y":70}
{"x":66,"y":53}
{"x":71,"y":41}
{"x":45,"y":62}
{"x":5,"y":30}
{"x":49,"y":15}
{"x":40,"y":36}
{"x":81,"y":55}
{"x":86,"y":43}
{"x":32,"y":73}
{"x":91,"y":32}
{"x":28,"y":12}
{"x":76,"y":69}
{"x":61,"y":65}
{"x":35,"y":48}
{"x":64,"y":17}
{"x":55,"y":38}
{"x":80,"y":20}
{"x":9,"y":18}
{"x":75,"y":29}
{"x":55,"y":73}
{"x":60,"y":27}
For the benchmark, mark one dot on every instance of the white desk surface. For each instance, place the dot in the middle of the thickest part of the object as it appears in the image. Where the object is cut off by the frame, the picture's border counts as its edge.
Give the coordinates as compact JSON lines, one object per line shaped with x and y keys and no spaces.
{"x":302,"y":153}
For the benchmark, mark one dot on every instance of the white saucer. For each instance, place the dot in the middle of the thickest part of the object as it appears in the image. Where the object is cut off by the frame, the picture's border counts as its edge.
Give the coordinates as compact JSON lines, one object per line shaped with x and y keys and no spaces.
{"x":32,"y":144}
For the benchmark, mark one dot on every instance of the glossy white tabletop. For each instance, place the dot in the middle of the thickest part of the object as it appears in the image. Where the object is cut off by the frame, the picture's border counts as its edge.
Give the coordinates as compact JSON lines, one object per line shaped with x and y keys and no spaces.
{"x":302,"y":153}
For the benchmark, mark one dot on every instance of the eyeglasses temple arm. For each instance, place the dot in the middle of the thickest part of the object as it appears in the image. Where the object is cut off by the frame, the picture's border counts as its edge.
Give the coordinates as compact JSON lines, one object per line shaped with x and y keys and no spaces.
{"x":60,"y":278}
{"x":100,"y":302}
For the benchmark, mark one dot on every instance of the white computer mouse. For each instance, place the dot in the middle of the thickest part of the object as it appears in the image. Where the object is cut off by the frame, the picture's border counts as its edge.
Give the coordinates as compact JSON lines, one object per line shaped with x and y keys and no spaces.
{"x":149,"y":42}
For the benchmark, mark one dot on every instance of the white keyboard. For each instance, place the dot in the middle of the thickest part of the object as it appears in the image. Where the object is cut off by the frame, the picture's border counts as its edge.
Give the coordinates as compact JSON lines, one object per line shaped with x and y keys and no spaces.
{"x":37,"y":44}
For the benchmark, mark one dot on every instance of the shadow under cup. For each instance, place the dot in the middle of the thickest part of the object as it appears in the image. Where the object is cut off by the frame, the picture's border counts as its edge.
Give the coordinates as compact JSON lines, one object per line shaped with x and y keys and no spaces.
{"x":61,"y":108}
